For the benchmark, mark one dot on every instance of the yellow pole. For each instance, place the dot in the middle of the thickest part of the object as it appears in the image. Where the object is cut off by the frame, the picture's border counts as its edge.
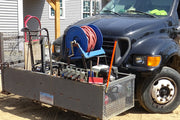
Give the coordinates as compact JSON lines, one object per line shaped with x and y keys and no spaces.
{"x":55,"y":4}
{"x":57,"y":19}
{"x":51,"y":3}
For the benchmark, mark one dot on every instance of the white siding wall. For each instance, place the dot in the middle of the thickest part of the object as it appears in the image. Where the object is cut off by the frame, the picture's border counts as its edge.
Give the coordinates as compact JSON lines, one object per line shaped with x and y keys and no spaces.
{"x":40,"y":8}
{"x":8,"y":15}
{"x":72,"y":12}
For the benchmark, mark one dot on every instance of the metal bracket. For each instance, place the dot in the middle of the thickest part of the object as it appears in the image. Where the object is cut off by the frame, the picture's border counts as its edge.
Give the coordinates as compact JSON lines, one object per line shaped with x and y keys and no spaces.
{"x":73,"y":43}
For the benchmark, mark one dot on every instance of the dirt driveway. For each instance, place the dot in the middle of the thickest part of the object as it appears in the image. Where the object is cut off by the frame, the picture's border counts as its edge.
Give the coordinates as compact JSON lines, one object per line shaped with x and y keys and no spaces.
{"x":13,"y":107}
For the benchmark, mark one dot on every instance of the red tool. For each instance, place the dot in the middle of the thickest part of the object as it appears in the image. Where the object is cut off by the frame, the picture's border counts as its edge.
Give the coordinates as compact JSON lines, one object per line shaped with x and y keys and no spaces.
{"x":27,"y":18}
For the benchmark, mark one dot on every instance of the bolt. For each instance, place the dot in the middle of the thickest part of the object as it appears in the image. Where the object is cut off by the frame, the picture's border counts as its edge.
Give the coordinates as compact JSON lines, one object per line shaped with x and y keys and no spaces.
{"x":171,"y":89}
{"x":161,"y":99}
{"x":158,"y":89}
{"x":162,"y":85}
{"x":168,"y":85}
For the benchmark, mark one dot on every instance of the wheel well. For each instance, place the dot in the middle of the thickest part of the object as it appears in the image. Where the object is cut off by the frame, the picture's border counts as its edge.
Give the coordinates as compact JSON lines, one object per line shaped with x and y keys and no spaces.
{"x":174,"y":62}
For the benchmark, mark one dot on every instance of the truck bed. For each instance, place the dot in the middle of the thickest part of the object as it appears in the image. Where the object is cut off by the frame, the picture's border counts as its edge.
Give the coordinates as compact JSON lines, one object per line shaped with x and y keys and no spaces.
{"x":88,"y":99}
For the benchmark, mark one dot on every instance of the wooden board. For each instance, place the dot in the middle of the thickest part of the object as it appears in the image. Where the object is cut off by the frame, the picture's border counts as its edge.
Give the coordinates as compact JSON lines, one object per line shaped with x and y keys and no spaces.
{"x":36,"y":53}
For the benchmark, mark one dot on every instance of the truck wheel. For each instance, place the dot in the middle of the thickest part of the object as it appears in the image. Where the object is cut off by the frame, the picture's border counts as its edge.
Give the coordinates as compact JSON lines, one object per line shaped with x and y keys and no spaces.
{"x":162,"y":93}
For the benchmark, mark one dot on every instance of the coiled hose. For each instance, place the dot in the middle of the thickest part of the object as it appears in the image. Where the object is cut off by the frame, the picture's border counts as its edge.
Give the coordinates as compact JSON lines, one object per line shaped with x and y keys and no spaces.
{"x":92,"y":38}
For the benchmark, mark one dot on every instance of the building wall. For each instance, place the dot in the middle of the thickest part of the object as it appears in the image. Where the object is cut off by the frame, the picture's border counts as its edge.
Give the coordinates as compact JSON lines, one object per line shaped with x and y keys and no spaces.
{"x":11,"y":20}
{"x":40,"y":8}
{"x":8,"y":15}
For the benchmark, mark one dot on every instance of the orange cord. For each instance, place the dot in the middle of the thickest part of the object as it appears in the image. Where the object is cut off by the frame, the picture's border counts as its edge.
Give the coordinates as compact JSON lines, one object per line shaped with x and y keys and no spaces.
{"x":92,"y":38}
{"x":112,"y":59}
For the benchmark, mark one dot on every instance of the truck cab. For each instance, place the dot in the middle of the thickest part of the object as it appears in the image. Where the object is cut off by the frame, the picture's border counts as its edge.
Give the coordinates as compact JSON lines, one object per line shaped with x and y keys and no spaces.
{"x":152,"y":27}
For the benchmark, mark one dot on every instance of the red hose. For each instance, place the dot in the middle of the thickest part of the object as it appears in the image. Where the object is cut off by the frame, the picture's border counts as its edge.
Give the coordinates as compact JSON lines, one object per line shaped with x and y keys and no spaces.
{"x":92,"y":38}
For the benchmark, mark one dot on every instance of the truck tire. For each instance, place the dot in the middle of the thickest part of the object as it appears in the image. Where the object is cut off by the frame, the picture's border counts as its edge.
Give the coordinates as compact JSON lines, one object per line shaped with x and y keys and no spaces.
{"x":160,"y":94}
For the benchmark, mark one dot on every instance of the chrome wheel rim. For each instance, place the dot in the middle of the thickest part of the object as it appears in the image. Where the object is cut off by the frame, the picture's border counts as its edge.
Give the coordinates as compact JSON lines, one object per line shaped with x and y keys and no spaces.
{"x":163,"y":90}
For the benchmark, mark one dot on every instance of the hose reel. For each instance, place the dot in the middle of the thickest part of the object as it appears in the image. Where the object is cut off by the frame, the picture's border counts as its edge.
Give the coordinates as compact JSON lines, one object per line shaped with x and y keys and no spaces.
{"x":84,"y":40}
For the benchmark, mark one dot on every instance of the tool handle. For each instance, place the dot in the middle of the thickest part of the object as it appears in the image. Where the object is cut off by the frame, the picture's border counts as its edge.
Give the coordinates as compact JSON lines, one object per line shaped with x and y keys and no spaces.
{"x":112,"y":59}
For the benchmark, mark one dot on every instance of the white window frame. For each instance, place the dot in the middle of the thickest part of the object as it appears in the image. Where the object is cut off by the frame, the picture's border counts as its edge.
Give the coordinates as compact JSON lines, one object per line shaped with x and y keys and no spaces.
{"x":63,"y":7}
{"x":91,"y":1}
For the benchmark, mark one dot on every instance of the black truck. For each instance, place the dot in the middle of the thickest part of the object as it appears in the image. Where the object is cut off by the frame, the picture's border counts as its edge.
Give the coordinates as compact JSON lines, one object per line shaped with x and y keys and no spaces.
{"x":152,"y":26}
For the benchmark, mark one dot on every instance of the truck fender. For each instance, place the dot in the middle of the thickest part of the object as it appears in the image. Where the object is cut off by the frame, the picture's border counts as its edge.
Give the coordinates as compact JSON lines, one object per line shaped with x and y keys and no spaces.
{"x":164,"y":46}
